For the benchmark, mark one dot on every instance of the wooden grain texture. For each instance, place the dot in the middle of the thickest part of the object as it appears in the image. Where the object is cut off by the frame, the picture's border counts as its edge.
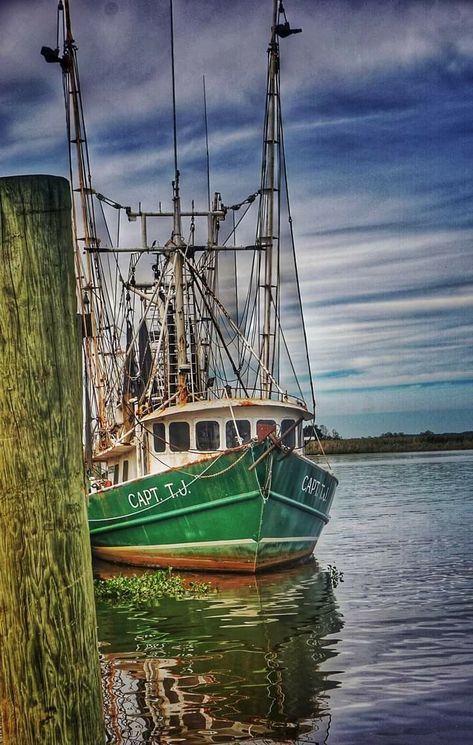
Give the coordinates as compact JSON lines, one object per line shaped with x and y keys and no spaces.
{"x":50,"y":676}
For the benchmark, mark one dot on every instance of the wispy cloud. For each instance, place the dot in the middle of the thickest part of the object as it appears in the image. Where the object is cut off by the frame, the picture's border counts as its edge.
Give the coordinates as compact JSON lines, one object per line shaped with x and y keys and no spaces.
{"x":379,"y":125}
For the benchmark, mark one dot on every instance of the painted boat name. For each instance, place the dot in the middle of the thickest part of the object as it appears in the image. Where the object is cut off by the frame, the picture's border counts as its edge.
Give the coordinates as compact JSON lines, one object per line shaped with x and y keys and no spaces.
{"x":314,"y":487}
{"x":310,"y":485}
{"x":144,"y":497}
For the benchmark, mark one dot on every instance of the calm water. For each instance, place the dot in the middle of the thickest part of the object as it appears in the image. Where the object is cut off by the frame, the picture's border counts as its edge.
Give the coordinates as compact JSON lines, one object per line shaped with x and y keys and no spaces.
{"x":386,"y":656}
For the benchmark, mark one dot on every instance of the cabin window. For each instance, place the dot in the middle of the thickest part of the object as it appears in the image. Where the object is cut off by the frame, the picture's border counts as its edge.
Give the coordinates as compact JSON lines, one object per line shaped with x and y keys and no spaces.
{"x":207,"y":435}
{"x":179,"y":436}
{"x":264,"y":427}
{"x":125,"y":471}
{"x":116,"y":473}
{"x":243,"y":429}
{"x":289,"y":439}
{"x":159,"y":437}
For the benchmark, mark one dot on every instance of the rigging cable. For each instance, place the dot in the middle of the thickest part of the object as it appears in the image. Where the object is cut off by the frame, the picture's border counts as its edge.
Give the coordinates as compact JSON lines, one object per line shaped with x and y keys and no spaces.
{"x":296,"y":271}
{"x":208,"y":291}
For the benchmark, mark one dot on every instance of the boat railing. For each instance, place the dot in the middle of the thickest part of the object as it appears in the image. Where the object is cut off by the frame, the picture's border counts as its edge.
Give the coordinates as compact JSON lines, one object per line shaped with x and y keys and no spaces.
{"x":228,"y":394}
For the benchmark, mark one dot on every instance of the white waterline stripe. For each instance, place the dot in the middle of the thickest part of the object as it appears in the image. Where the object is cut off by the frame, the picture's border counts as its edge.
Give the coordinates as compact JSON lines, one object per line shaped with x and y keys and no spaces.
{"x":191,"y":544}
{"x":203,"y":544}
{"x":289,"y":539}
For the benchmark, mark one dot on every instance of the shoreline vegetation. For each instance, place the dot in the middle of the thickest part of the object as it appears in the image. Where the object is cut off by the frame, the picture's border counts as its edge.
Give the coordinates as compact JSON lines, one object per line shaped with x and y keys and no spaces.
{"x":389,"y":442}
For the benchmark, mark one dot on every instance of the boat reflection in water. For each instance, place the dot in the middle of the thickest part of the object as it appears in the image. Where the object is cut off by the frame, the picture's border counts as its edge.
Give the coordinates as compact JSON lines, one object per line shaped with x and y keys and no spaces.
{"x":242,"y":664}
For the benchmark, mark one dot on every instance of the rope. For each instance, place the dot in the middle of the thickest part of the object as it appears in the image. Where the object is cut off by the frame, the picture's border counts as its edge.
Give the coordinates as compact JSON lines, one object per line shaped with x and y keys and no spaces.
{"x":201,"y":281}
{"x":228,"y":468}
{"x":240,"y":441}
{"x":323,"y":451}
{"x":172,"y":495}
{"x":265,"y":491}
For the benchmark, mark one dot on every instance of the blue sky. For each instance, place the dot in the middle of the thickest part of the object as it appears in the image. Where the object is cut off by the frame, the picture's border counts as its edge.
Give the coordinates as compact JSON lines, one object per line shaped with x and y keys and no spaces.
{"x":378,"y":107}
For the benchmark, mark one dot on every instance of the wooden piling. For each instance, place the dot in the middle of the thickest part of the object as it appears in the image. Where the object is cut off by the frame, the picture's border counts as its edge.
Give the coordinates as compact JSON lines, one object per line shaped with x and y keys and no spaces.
{"x":50,"y":677}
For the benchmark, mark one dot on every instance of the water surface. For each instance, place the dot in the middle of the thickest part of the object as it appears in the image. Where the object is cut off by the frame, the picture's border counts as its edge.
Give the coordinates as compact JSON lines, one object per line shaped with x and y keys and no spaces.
{"x":385,"y":656}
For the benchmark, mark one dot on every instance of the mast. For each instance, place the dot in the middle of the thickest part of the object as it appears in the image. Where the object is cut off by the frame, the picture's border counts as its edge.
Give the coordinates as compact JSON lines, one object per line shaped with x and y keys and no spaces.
{"x":179,"y":247}
{"x":267,"y":238}
{"x":268,"y":225}
{"x":77,"y":137}
{"x":179,"y":315}
{"x":93,"y":308}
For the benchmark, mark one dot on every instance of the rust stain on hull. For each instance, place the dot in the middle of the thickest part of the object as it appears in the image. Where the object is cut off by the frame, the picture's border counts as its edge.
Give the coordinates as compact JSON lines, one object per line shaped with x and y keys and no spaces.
{"x":201,"y":563}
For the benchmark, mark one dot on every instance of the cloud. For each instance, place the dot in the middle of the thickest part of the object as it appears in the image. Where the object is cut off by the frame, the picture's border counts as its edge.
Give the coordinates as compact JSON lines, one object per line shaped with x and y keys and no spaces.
{"x":379,"y":118}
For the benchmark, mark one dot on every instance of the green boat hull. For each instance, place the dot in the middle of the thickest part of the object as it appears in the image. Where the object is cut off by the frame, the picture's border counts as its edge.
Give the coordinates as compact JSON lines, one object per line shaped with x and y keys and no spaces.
{"x":223,"y":513}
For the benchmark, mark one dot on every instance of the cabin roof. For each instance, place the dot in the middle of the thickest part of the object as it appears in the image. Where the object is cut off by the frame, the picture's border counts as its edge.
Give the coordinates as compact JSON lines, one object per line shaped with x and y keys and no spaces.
{"x":244,"y":405}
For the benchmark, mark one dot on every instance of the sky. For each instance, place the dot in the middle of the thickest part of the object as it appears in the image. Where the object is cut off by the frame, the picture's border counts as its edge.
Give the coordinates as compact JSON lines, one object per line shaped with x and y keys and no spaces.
{"x":378,"y":111}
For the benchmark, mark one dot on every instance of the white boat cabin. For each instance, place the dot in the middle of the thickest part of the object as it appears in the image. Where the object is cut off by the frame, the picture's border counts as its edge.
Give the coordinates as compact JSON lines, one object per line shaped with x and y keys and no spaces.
{"x":179,"y":435}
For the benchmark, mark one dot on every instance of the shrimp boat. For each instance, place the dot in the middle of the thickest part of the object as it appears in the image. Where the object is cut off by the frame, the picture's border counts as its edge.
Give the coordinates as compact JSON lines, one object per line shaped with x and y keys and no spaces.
{"x":196,"y":371}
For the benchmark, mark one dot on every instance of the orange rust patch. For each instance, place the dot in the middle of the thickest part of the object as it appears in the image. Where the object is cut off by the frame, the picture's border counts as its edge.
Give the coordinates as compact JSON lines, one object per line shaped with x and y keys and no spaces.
{"x":201,"y":563}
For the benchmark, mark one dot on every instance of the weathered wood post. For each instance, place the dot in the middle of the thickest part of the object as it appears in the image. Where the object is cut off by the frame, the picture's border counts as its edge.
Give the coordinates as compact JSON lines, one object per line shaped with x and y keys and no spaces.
{"x":50,"y":676}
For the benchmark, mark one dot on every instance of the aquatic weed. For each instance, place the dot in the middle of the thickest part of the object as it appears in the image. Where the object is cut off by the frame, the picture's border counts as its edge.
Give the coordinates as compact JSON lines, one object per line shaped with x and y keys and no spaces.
{"x":147,"y":587}
{"x":335,"y":576}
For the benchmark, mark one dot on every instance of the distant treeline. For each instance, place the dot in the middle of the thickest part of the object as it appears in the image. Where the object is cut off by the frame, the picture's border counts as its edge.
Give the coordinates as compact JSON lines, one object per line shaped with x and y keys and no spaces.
{"x":391,"y":442}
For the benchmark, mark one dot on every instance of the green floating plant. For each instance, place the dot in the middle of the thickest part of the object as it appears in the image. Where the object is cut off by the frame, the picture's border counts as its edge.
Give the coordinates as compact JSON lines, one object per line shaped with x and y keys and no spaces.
{"x":147,"y":587}
{"x":334,"y":574}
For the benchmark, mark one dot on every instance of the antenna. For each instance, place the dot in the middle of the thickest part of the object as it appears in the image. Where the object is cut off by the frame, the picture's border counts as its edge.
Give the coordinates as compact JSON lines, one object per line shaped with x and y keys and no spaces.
{"x":174,"y":121}
{"x":206,"y":144}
